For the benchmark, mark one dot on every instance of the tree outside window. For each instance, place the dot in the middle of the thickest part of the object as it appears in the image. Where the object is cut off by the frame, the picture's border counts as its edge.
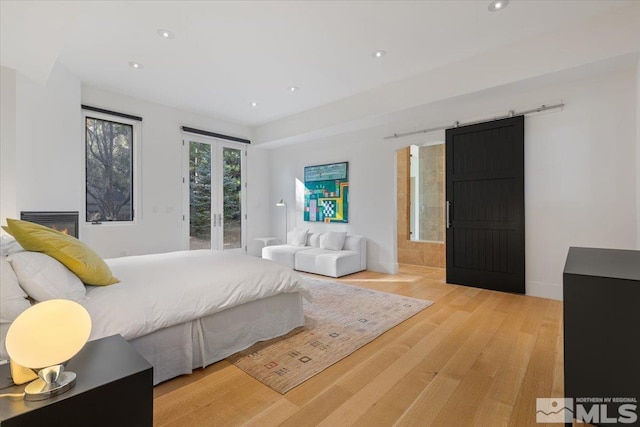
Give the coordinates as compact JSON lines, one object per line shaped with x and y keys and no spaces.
{"x":232,"y":192}
{"x":200,"y":195}
{"x":109,"y":170}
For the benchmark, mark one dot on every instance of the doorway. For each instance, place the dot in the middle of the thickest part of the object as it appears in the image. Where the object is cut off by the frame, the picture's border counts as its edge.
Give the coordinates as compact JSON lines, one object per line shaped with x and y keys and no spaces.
{"x":214,"y":203}
{"x":420,"y":206}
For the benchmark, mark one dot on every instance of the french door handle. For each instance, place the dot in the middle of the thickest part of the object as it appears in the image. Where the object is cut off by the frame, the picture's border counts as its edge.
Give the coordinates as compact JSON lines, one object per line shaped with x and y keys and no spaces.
{"x":215,"y":218}
{"x":448,"y":214}
{"x":220,"y":219}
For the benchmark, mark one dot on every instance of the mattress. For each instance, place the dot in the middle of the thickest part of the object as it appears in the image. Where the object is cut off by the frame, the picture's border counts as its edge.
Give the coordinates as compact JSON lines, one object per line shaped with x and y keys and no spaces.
{"x":162,"y":290}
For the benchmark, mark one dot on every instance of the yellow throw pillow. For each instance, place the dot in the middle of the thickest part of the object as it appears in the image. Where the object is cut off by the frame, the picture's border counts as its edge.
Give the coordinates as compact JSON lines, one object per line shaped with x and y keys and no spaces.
{"x":75,"y":255}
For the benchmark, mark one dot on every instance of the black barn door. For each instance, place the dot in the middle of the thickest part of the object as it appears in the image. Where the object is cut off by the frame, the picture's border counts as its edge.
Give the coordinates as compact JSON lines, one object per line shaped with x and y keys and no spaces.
{"x":485,"y":201}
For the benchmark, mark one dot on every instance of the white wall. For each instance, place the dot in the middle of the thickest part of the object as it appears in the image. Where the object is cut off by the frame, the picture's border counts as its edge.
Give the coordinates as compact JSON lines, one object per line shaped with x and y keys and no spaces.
{"x":580,"y":177}
{"x":41,"y":151}
{"x":8,"y":196}
{"x":159,"y":225}
{"x":259,"y":200}
{"x":580,"y":171}
{"x":371,"y":190}
{"x":48,"y":141}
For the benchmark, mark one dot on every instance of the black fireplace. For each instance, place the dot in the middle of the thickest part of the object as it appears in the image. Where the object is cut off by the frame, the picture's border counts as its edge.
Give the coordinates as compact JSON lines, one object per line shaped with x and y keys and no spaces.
{"x":66,"y":222}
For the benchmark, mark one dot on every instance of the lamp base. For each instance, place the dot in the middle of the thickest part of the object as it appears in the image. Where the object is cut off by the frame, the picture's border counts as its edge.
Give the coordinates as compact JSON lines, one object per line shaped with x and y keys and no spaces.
{"x":41,"y":390}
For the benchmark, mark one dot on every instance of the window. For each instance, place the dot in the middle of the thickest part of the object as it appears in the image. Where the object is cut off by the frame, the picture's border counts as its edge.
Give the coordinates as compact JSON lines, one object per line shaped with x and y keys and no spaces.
{"x":110,"y":143}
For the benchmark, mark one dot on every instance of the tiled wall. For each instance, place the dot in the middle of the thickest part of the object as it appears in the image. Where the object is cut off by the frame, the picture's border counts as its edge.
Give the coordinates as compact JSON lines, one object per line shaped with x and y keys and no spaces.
{"x":431,"y":189}
{"x":418,"y":253}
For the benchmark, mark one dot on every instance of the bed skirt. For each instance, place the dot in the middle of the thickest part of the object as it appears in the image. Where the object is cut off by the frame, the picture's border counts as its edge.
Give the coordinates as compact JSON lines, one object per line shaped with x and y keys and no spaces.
{"x":180,"y":349}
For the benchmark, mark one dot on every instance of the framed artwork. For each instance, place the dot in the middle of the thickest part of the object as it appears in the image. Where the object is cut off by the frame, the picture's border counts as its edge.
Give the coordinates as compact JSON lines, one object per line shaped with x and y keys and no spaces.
{"x":326,"y":193}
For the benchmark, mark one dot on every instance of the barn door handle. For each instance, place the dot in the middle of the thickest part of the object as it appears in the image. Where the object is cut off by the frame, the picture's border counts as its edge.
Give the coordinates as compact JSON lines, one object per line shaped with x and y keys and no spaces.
{"x":448,"y":214}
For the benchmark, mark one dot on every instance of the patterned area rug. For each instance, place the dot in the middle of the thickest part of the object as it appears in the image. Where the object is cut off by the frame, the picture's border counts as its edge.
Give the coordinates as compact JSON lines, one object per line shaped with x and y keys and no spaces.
{"x":340,"y":320}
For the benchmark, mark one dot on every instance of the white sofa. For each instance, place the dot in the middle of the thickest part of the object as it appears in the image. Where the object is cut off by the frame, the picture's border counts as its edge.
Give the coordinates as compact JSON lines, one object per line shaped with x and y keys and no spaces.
{"x":320,"y":255}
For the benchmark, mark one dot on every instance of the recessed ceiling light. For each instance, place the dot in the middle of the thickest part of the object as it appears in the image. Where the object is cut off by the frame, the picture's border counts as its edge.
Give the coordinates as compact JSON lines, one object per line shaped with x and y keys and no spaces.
{"x":165,"y":34}
{"x":497,"y":5}
{"x":293,"y":88}
{"x":254,"y":104}
{"x":135,"y":65}
{"x":379,"y":53}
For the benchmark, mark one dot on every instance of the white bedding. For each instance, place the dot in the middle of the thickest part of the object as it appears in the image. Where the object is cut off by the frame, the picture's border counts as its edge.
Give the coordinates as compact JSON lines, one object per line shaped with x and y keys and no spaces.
{"x":162,"y":290}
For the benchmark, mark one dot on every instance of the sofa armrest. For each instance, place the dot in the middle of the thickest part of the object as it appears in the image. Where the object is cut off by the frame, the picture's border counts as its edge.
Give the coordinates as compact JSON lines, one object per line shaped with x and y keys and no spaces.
{"x":357,"y":244}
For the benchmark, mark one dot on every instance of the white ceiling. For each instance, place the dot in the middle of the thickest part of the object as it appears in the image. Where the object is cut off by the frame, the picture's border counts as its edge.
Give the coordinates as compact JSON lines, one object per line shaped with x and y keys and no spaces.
{"x":227,"y":54}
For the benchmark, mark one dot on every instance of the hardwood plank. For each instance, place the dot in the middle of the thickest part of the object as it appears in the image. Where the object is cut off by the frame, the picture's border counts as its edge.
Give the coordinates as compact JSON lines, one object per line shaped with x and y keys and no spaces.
{"x":274,"y":415}
{"x":539,"y":377}
{"x":209,"y":400}
{"x":394,"y":403}
{"x":505,"y":360}
{"x":427,"y":406}
{"x":318,"y":409}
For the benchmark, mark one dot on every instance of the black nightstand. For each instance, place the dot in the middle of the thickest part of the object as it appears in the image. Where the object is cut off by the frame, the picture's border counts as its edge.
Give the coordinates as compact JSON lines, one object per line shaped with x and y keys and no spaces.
{"x":114,"y":388}
{"x":601,"y":319}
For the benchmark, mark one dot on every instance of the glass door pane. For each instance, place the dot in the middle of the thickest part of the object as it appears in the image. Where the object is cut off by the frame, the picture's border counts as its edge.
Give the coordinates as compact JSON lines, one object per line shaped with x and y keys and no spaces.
{"x":232,"y":197}
{"x":200,"y":215}
{"x":213,"y":200}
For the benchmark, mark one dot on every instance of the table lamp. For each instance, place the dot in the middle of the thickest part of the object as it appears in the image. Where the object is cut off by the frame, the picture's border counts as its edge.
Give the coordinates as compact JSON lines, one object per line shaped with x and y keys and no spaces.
{"x":43,"y":338}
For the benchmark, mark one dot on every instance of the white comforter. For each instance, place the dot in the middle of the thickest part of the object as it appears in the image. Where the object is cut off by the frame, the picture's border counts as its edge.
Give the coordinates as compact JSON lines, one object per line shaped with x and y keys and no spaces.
{"x":161,"y":290}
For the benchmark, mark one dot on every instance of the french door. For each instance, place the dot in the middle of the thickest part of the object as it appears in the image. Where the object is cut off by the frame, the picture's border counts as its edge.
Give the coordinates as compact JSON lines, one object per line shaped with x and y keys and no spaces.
{"x":214,"y":200}
{"x":485,"y":205}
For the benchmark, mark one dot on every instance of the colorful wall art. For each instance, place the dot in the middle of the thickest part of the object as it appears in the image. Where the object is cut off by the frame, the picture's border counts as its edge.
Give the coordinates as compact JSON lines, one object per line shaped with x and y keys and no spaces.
{"x":326,"y":192}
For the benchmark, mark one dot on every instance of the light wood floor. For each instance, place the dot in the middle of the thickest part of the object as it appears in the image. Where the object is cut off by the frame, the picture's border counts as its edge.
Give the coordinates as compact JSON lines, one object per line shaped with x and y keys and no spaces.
{"x":474,"y":358}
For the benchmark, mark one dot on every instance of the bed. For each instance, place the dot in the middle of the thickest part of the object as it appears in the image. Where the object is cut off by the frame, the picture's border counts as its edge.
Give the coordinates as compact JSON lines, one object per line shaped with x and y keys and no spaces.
{"x":188,"y":309}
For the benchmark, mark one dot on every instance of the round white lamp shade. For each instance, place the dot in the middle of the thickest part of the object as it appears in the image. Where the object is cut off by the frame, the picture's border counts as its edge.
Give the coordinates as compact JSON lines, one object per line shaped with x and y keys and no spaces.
{"x":48,"y":333}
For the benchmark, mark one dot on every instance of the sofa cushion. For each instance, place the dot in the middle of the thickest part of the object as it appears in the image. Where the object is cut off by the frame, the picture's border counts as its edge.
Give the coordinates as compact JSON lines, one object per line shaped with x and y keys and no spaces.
{"x":314,"y":240}
{"x":328,"y":262}
{"x":297,"y":237}
{"x":333,"y":240}
{"x":353,"y":243}
{"x":282,"y":254}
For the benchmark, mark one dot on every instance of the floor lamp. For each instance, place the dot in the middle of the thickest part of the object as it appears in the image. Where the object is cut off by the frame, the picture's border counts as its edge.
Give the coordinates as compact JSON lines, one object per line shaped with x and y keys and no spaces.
{"x":280,"y":204}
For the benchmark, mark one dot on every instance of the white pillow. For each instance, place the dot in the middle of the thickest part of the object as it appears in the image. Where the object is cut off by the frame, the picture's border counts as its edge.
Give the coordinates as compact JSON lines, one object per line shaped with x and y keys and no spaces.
{"x":297,"y":237}
{"x":9,"y":246}
{"x":314,"y":240}
{"x":13,"y":300}
{"x":44,"y":278}
{"x":333,"y":240}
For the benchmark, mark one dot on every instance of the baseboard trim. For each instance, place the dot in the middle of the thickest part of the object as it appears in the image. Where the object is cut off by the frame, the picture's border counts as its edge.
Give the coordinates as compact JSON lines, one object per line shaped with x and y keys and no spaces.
{"x":544,"y":290}
{"x":383,"y":267}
